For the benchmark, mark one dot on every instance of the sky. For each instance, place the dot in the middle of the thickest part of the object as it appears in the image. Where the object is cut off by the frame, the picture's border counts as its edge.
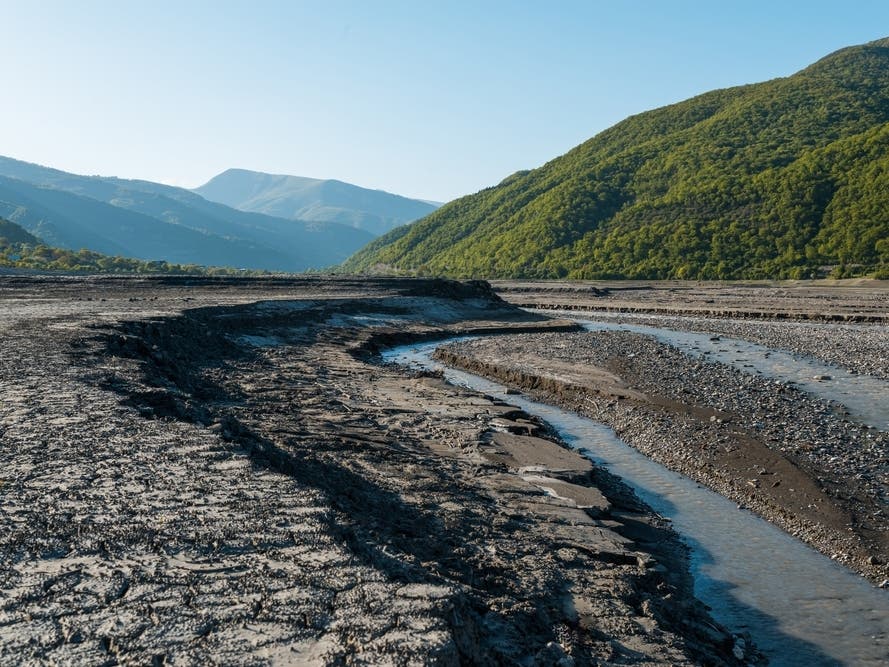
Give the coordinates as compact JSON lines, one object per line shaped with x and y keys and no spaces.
{"x":425,"y":99}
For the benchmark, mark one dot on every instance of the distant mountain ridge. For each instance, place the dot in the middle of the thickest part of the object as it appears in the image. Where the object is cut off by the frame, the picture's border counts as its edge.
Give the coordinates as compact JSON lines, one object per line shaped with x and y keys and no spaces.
{"x":313,"y":199}
{"x":151,"y":221}
{"x":21,"y":252}
{"x":782,"y":179}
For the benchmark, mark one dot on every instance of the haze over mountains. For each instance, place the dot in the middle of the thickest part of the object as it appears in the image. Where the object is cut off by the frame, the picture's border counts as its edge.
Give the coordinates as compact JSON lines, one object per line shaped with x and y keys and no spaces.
{"x":783,"y":179}
{"x":313,"y":199}
{"x":151,"y":221}
{"x":13,"y":233}
{"x":24,"y":252}
{"x":776,"y":179}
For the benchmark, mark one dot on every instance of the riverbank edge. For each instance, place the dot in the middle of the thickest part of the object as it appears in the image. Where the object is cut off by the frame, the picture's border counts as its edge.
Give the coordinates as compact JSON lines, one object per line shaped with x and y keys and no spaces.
{"x":576,"y":398}
{"x":716,"y":313}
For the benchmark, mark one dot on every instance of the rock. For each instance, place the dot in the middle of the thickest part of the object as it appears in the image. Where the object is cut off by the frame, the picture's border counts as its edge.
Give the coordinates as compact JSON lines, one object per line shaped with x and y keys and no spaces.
{"x":740,"y":648}
{"x":553,"y":655}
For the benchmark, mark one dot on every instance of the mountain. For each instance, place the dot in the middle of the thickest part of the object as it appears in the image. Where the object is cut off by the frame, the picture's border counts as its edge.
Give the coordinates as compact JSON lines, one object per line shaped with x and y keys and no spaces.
{"x":11,"y":233}
{"x":23,"y":252}
{"x":778,"y":179}
{"x":312,"y":199}
{"x":152,"y":221}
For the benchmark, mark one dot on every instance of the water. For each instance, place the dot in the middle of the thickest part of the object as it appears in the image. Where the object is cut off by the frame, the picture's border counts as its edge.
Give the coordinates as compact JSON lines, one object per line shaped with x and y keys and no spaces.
{"x":800,"y":607}
{"x":866,"y":398}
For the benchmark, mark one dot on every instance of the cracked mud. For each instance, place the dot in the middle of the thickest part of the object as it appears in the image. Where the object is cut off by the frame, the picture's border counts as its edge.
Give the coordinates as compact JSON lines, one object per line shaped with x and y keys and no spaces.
{"x":220,"y":472}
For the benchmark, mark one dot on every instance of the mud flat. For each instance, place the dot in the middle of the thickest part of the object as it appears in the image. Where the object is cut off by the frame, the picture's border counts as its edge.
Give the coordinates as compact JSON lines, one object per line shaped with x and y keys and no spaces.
{"x":800,"y":607}
{"x":221,"y":470}
{"x":859,"y":300}
{"x":712,"y":405}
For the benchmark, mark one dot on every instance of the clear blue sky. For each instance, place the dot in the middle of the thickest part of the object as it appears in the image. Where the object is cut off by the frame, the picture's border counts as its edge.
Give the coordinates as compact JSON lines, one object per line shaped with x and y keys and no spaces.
{"x":426,"y":99}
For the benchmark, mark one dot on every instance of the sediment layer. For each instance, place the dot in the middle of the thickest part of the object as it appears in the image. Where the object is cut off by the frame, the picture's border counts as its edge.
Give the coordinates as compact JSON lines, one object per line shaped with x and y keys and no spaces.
{"x":220,"y":469}
{"x":818,"y":301}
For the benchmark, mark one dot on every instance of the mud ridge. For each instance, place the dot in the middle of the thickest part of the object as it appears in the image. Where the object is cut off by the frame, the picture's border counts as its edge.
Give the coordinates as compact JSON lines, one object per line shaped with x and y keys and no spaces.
{"x":710,"y":312}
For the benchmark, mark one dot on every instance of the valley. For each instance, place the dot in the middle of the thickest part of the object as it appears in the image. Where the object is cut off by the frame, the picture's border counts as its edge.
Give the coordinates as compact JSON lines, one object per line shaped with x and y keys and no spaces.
{"x":298,"y":225}
{"x":590,"y":370}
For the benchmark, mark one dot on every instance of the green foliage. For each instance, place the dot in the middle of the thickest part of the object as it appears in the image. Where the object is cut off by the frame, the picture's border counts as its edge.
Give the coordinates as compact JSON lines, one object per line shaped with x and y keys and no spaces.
{"x":783,"y":179}
{"x":40,"y":257}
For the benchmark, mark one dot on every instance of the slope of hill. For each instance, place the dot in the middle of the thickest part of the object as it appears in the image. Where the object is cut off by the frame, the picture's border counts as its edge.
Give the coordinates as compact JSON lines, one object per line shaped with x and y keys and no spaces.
{"x":313,"y":199}
{"x":777,"y":179}
{"x":154,"y":221}
{"x":21,"y":252}
{"x":11,"y":233}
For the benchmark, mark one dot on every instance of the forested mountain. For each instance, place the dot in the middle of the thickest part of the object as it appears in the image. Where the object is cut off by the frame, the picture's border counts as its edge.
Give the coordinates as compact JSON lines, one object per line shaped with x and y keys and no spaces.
{"x":21,"y":251}
{"x":776,"y":179}
{"x":313,"y":199}
{"x":152,"y":221}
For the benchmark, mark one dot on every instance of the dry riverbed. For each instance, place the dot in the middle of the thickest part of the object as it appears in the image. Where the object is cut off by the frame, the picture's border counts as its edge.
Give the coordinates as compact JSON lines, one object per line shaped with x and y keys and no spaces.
{"x":860,"y":300}
{"x":221,"y":472}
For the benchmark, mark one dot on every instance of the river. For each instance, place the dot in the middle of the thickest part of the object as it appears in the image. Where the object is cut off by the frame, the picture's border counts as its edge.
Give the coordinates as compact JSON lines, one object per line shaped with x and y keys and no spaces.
{"x":800,"y":607}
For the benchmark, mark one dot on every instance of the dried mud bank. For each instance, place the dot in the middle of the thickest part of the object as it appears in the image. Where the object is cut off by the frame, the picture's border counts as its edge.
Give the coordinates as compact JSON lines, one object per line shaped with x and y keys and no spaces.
{"x":827,"y":301}
{"x":217,"y":471}
{"x":770,"y":447}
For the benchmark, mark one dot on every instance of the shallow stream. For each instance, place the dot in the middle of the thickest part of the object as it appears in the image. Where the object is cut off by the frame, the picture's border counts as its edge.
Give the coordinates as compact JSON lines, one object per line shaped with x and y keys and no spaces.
{"x":866,"y":398}
{"x":800,"y":607}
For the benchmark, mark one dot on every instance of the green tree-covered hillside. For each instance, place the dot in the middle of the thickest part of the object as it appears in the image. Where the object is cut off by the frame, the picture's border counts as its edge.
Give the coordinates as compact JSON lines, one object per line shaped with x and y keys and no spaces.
{"x":11,"y":233}
{"x":777,"y":179}
{"x":21,"y":250}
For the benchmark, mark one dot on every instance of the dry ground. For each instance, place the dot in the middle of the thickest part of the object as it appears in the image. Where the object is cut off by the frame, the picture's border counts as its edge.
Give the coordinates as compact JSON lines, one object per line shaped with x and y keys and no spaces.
{"x":219,"y":472}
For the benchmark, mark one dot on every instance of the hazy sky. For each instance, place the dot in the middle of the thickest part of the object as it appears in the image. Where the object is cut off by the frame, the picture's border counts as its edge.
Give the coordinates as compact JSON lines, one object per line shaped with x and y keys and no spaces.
{"x":426,"y":99}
